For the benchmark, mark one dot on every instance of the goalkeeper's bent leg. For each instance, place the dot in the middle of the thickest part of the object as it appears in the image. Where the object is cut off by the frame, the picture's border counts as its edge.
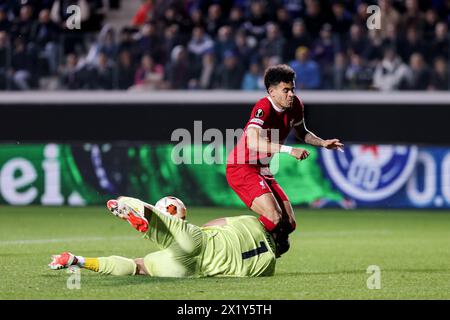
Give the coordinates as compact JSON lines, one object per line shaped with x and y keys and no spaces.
{"x":113,"y":265}
{"x":165,"y":230}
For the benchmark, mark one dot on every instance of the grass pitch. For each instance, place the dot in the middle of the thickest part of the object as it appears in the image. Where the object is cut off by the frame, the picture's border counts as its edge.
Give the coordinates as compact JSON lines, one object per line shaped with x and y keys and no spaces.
{"x":330,"y":253}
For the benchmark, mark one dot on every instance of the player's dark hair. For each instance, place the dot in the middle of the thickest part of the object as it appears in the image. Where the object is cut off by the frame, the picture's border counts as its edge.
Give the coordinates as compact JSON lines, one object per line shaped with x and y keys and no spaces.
{"x":278,"y":73}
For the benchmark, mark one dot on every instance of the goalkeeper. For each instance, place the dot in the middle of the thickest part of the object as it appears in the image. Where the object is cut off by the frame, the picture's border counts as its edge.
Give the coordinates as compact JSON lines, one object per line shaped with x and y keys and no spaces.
{"x":227,"y":247}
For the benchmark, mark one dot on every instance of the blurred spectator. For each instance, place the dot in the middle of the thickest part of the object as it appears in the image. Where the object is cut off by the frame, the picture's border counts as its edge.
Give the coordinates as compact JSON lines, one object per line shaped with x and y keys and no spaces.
{"x":171,"y":38}
{"x":103,"y":73}
{"x":143,"y":13}
{"x":173,"y":15}
{"x":236,"y":19}
{"x":323,"y":52}
{"x":440,"y":44}
{"x":439,"y":77}
{"x":72,"y":75}
{"x":360,"y":16}
{"x":431,"y":19}
{"x":412,"y":43}
{"x":23,"y":25}
{"x":358,"y":76}
{"x":284,"y":22}
{"x":224,"y":42}
{"x":390,"y":74}
{"x":314,"y":17}
{"x":443,"y":9}
{"x":244,"y":47}
{"x":256,"y":21}
{"x":391,"y":38}
{"x":126,"y":42}
{"x":203,"y":78}
{"x":413,"y":17}
{"x":5,"y":24}
{"x":229,"y":73}
{"x":375,"y":51}
{"x":215,"y":19}
{"x":45,"y":35}
{"x":179,"y":71}
{"x":338,"y":72}
{"x":197,"y":18}
{"x":300,"y":37}
{"x":272,"y":45}
{"x":341,"y":19}
{"x":106,"y":44}
{"x":22,"y":64}
{"x":253,"y":78}
{"x":4,"y":60}
{"x":125,"y":71}
{"x":149,"y":42}
{"x":200,"y":43}
{"x":388,"y":15}
{"x":307,"y":70}
{"x":268,"y":62}
{"x":149,"y":75}
{"x":357,"y":42}
{"x":418,"y":77}
{"x":295,"y":8}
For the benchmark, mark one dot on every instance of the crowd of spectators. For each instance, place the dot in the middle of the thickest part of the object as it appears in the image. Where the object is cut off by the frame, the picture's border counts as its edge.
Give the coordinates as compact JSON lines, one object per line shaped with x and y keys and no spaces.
{"x":208,"y":44}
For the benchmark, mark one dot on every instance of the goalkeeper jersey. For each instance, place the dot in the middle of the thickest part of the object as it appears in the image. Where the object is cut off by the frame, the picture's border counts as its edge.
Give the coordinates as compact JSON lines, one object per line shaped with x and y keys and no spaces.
{"x":241,"y":248}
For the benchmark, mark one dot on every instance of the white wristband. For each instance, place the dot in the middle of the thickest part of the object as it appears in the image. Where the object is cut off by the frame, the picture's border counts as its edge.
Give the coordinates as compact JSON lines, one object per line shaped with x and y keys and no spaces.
{"x":286,"y":149}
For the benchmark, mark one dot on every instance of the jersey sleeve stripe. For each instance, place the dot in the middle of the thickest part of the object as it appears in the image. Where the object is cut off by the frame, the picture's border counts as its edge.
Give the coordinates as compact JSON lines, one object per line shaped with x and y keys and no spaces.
{"x":258,"y":121}
{"x":297,"y":123}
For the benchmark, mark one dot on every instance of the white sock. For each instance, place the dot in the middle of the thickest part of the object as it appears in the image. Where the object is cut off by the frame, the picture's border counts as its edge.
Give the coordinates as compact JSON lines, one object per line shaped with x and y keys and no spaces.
{"x":80,"y":262}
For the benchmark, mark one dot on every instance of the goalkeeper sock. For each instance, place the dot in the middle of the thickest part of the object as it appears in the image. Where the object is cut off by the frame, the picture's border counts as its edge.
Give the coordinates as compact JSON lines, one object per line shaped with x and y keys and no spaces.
{"x":90,"y":264}
{"x":114,"y":265}
{"x":80,"y":261}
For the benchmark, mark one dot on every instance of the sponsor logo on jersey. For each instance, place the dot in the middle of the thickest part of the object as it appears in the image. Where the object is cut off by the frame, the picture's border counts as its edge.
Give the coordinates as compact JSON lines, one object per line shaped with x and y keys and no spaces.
{"x":259,"y":113}
{"x":370,"y":172}
{"x":261,"y":183}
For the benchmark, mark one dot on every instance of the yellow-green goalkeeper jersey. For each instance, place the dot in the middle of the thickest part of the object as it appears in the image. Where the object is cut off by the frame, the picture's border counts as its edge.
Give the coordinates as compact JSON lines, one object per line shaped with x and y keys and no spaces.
{"x":241,"y":248}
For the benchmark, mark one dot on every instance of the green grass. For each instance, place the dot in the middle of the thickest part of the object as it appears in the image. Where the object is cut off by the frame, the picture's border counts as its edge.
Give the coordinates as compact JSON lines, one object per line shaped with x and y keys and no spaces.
{"x":329,"y":256}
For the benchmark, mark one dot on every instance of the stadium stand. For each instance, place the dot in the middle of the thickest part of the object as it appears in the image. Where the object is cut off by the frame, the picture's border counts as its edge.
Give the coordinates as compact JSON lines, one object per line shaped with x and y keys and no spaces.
{"x":208,"y":44}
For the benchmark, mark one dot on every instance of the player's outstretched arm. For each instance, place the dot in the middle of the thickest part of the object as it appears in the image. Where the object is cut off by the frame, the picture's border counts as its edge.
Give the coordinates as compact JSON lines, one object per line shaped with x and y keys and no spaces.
{"x":257,"y":143}
{"x":310,"y":138}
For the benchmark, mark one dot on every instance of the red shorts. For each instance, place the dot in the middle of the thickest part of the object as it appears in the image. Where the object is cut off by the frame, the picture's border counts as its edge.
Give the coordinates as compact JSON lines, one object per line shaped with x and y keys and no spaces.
{"x":249,"y":183}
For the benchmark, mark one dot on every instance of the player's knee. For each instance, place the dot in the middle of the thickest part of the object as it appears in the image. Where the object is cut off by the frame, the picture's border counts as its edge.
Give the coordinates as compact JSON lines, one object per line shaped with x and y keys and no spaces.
{"x":140,"y":267}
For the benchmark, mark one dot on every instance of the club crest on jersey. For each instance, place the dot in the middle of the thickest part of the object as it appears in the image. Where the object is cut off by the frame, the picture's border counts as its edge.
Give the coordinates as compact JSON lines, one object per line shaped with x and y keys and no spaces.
{"x":259,"y":113}
{"x":370,"y":172}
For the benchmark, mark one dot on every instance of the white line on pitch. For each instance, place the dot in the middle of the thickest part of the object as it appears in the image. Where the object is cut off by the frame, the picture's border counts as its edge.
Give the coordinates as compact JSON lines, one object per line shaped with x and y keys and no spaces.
{"x":343,"y":233}
{"x":58,"y":240}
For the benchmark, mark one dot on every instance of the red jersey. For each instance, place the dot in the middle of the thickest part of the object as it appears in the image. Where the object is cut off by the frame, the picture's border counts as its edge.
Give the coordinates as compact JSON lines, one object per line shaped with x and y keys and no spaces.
{"x":276,"y":123}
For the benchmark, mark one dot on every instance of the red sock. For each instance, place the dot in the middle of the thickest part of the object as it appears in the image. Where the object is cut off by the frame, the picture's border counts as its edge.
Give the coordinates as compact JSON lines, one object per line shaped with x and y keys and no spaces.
{"x":269,"y":225}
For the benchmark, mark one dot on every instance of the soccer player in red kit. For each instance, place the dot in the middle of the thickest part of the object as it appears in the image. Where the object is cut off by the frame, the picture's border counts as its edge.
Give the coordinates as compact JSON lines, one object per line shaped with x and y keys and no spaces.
{"x":271,"y":120}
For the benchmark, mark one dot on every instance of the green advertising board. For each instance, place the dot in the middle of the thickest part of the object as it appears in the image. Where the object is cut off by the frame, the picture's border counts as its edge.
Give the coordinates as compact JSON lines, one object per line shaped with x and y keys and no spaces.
{"x":89,"y":174}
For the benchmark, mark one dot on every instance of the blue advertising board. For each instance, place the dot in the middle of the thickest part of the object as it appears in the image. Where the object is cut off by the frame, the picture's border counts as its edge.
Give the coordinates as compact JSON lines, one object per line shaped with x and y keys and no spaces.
{"x":395,"y":176}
